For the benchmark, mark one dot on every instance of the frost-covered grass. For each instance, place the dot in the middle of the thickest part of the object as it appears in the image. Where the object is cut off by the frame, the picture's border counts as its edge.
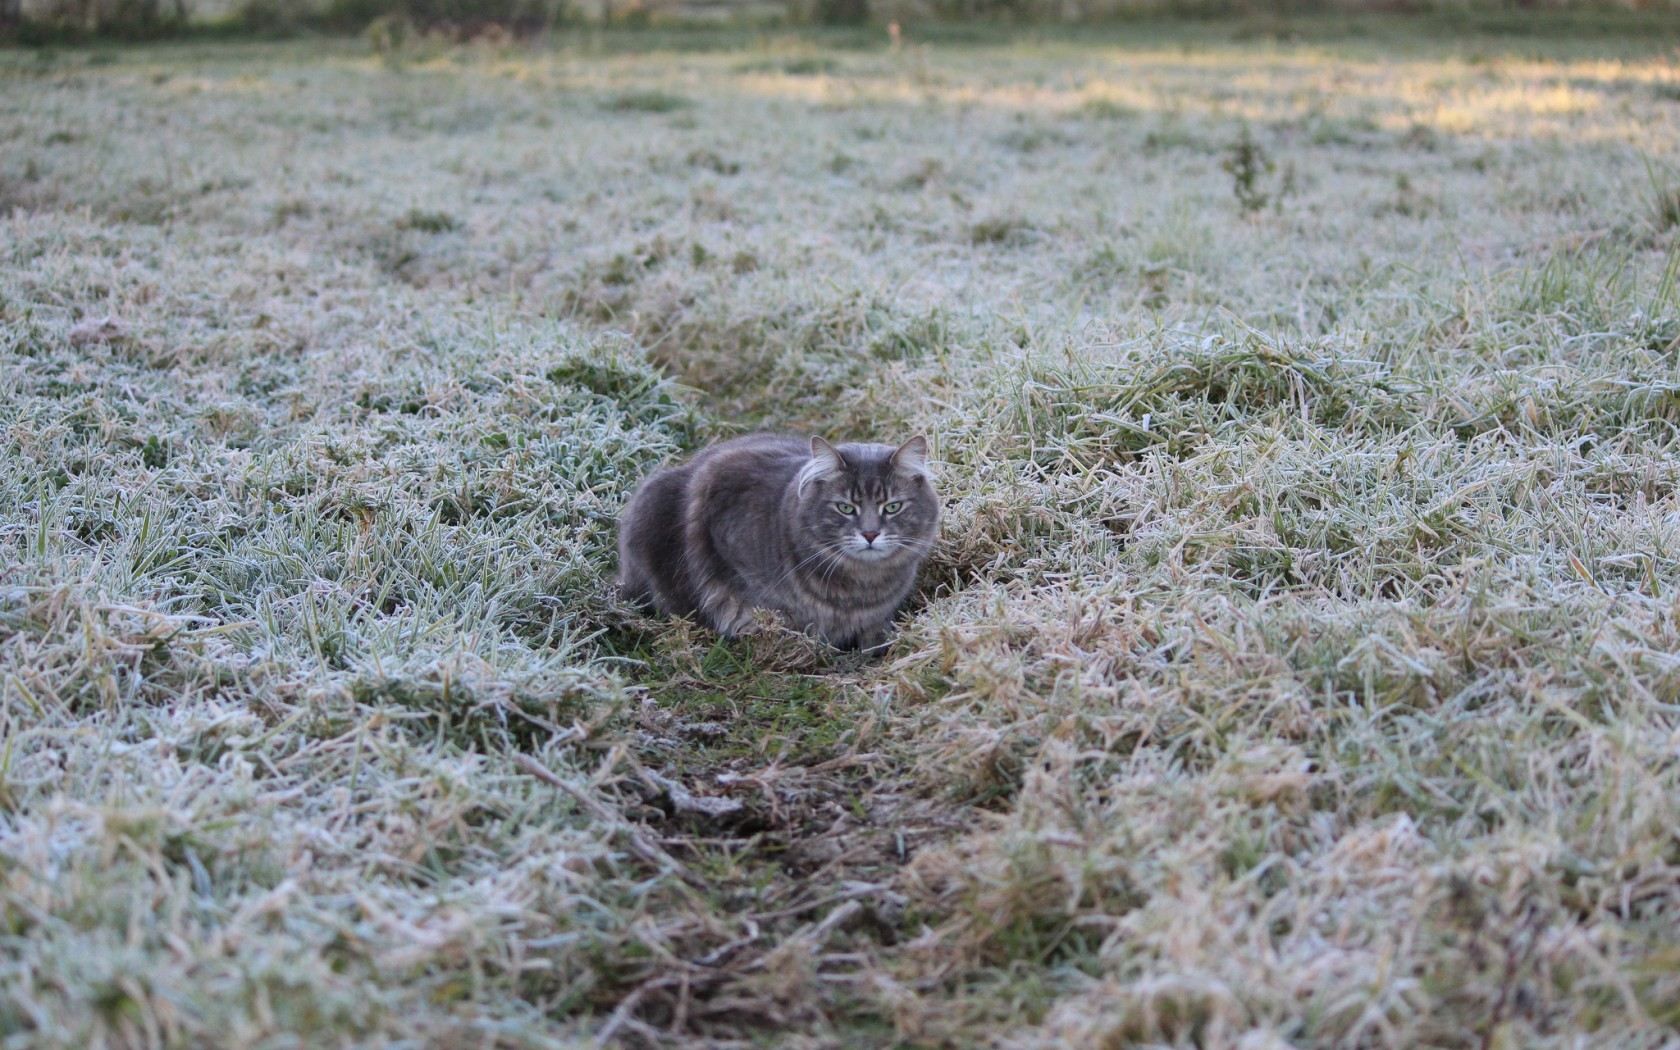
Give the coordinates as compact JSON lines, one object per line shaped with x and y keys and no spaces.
{"x":1298,"y":668}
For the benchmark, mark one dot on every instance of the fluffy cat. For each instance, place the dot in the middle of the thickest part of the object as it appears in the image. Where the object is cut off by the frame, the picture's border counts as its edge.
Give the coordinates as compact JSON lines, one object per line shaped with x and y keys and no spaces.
{"x":830,"y":536}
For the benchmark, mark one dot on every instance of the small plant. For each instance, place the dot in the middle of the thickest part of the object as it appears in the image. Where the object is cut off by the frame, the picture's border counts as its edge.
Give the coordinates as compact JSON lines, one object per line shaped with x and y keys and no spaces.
{"x":154,"y":453}
{"x":1668,"y":208}
{"x":810,"y":66}
{"x":428,"y":221}
{"x":999,"y":229}
{"x":647,"y":102}
{"x":803,"y":66}
{"x":1407,"y":201}
{"x":390,"y":37}
{"x":925,"y":172}
{"x":1107,"y":109}
{"x":1664,"y":196}
{"x":289,"y":209}
{"x":711,"y":160}
{"x":1248,"y":165}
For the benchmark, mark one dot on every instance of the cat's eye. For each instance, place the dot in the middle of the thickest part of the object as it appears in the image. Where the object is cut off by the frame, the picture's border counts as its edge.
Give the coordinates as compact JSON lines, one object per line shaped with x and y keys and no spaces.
{"x":892,"y":508}
{"x":843,"y":507}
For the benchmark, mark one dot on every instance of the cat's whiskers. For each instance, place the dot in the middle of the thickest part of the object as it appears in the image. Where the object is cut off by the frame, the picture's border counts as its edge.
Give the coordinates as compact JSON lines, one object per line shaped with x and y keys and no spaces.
{"x":834,"y":565}
{"x":831,"y":548}
{"x":828,"y":574}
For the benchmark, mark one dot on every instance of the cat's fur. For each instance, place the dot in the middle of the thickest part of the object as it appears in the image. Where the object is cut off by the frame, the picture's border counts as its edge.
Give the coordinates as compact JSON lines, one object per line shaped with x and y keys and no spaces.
{"x":759,"y":522}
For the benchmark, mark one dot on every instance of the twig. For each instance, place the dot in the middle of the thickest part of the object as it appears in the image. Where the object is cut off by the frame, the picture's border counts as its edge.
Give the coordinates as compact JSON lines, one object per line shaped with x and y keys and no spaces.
{"x":686,"y":801}
{"x":850,"y":894}
{"x":621,"y":1017}
{"x":640,"y":845}
{"x":822,"y":931}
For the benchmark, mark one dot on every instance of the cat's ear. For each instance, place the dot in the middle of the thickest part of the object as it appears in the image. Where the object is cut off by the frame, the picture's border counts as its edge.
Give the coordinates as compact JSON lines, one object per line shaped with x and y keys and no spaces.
{"x":826,"y":462}
{"x":829,"y":456}
{"x":912,"y":457}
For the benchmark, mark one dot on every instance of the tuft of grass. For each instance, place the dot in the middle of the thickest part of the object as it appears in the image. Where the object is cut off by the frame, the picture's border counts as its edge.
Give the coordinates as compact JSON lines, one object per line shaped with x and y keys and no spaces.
{"x":1107,"y":109}
{"x":796,"y":66}
{"x":428,"y":221}
{"x":651,"y":101}
{"x":712,"y":161}
{"x":1668,"y":210}
{"x":1002,"y":229}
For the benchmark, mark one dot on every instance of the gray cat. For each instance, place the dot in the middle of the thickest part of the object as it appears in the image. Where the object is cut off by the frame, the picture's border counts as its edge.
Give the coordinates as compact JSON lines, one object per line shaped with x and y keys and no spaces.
{"x":831,"y":536}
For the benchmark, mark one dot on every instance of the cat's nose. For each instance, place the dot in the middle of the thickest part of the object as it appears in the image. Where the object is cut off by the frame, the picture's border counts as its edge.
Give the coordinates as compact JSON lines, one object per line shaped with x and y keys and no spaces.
{"x":869,"y":537}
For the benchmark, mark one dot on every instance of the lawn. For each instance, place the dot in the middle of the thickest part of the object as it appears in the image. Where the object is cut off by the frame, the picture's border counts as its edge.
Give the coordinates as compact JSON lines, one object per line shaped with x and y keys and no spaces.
{"x":1298,"y":666}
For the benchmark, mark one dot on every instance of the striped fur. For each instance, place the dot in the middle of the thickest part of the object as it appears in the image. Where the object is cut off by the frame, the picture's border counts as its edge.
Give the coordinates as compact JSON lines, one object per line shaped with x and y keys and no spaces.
{"x":762,"y":522}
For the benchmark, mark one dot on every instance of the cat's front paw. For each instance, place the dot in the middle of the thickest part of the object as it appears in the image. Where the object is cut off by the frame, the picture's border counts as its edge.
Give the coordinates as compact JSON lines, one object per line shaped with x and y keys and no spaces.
{"x":873,"y":641}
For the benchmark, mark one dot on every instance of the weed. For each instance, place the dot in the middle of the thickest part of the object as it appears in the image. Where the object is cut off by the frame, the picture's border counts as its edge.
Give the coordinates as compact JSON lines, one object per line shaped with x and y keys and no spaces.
{"x":647,"y":102}
{"x":1249,"y":166}
{"x":711,"y":161}
{"x":1003,"y":229}
{"x":428,"y":221}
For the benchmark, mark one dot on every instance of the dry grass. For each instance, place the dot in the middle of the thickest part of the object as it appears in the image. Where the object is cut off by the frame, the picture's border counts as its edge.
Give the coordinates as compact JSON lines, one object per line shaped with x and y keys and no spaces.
{"x":1297,"y":669}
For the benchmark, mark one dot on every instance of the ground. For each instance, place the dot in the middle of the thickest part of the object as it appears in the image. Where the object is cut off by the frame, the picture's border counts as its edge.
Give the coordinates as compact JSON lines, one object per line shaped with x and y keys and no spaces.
{"x":1297,"y":667}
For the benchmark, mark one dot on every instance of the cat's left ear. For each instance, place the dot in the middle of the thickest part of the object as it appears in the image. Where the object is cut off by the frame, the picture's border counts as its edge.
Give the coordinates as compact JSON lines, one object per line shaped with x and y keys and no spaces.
{"x":912,"y":457}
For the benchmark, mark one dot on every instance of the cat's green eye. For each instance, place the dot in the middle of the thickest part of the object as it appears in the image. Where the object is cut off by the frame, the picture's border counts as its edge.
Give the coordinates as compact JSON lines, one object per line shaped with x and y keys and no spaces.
{"x":892,"y":508}
{"x":843,"y":507}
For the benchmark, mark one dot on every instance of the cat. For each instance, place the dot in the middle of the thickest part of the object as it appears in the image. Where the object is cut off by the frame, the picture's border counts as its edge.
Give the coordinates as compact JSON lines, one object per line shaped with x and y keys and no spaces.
{"x":831,"y":536}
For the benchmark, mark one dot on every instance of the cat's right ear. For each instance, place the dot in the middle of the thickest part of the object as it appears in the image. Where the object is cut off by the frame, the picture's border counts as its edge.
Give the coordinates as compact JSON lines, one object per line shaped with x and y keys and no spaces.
{"x":826,"y":462}
{"x":829,"y":456}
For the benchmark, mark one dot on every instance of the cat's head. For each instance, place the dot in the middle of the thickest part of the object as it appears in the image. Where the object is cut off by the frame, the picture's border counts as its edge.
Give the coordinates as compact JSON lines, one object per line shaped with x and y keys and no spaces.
{"x":869,"y":503}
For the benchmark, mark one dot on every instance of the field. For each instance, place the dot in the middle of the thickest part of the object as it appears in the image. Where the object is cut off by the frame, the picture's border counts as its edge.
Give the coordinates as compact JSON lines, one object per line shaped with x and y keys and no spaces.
{"x":1298,"y":666}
